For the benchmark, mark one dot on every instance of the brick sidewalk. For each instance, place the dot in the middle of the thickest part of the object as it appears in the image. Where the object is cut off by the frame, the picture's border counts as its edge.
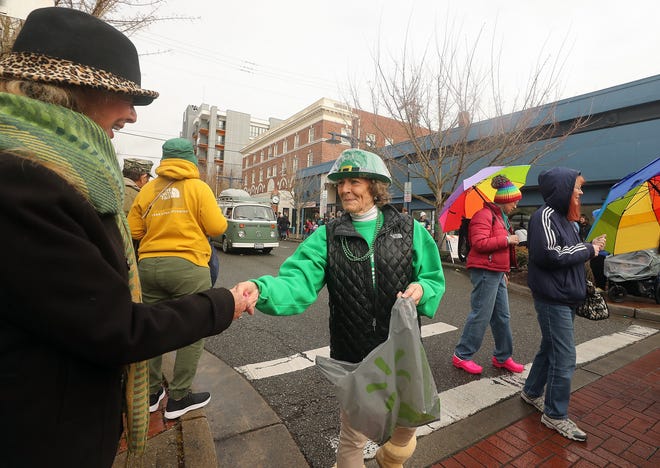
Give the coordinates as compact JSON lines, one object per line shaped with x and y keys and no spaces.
{"x":620,"y":412}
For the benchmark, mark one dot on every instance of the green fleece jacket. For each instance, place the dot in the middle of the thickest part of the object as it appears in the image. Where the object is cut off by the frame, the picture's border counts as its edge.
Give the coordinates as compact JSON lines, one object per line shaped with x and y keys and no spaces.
{"x":302,"y":275}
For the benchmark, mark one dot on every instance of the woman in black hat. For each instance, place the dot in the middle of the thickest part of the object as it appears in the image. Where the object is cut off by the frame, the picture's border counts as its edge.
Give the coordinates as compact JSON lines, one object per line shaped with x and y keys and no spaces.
{"x":70,"y":314}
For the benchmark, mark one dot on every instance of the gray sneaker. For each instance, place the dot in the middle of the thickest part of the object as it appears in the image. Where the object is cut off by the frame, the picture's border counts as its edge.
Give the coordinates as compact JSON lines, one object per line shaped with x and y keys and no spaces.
{"x":565,"y":427}
{"x":538,"y":402}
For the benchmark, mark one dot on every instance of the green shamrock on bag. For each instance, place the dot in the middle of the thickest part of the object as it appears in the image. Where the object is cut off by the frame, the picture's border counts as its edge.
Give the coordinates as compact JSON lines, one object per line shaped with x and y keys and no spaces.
{"x":407,"y":411}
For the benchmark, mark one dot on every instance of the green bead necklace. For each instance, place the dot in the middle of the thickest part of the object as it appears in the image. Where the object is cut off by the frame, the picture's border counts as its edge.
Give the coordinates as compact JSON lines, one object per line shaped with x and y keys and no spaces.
{"x":350,"y":255}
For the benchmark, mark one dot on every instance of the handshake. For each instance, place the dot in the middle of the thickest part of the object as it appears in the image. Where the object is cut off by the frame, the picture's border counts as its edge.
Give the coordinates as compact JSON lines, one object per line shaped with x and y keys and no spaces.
{"x":245,"y":295}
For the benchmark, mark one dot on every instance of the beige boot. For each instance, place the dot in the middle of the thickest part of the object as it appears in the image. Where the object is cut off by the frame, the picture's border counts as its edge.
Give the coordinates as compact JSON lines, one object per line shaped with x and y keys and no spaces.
{"x":393,"y":456}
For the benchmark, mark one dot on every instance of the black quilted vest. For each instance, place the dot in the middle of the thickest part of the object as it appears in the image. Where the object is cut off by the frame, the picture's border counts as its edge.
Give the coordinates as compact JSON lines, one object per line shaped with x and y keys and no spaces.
{"x":360,"y":314}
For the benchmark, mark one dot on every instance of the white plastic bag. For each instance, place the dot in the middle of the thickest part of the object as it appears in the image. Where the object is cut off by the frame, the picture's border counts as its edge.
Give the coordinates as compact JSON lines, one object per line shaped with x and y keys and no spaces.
{"x":392,"y":386}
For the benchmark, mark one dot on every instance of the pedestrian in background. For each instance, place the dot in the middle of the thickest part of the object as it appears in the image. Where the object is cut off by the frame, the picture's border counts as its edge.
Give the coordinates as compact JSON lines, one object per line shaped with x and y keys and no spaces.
{"x":556,"y":277}
{"x":425,"y":222}
{"x":172,"y":218}
{"x":491,"y":256}
{"x":137,"y":173}
{"x":583,"y":227}
{"x":283,"y":226}
{"x":367,"y":257}
{"x":74,"y":335}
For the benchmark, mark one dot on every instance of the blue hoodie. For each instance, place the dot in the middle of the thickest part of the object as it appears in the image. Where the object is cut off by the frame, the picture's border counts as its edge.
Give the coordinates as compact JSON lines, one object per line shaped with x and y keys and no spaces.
{"x":556,"y":271}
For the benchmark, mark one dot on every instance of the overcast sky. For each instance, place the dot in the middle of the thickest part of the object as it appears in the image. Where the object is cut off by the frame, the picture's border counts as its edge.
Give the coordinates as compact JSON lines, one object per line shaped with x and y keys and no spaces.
{"x":273,"y":58}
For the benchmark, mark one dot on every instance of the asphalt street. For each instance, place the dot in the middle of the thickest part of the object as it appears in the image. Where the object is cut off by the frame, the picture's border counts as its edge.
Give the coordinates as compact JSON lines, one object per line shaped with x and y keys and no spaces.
{"x":304,"y":400}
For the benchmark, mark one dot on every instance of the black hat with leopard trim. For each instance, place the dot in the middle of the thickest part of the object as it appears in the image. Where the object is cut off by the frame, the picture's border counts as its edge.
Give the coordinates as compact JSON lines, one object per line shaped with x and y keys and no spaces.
{"x":66,"y":46}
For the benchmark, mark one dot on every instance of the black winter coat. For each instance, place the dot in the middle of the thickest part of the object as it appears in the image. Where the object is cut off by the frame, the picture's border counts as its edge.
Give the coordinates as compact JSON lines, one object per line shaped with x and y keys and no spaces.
{"x":68,"y":325}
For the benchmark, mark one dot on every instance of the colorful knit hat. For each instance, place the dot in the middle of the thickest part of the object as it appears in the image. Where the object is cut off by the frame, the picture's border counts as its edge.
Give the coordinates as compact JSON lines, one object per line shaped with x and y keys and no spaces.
{"x":506,"y":191}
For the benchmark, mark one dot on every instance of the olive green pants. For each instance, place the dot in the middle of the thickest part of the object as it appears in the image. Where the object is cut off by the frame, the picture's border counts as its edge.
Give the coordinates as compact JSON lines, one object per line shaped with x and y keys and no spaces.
{"x":168,"y":278}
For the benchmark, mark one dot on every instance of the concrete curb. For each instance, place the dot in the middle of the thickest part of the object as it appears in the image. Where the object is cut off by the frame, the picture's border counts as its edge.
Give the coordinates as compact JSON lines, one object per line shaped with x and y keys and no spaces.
{"x":197,"y":441}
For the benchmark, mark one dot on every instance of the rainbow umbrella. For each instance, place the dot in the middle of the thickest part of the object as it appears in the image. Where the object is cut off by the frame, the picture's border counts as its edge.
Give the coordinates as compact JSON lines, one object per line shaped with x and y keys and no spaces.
{"x":470,"y":196}
{"x":630,"y":215}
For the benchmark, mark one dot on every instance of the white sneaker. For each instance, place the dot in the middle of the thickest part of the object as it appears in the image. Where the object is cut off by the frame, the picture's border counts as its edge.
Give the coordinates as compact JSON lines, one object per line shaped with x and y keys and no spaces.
{"x":538,"y":402}
{"x":565,"y":427}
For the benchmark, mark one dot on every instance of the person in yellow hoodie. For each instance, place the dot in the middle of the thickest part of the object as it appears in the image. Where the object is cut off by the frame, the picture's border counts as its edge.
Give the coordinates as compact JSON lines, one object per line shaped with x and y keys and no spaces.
{"x":171,"y":218}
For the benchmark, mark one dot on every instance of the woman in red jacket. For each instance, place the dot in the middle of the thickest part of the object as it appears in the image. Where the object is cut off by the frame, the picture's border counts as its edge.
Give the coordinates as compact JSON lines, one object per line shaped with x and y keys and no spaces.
{"x":491,"y":254}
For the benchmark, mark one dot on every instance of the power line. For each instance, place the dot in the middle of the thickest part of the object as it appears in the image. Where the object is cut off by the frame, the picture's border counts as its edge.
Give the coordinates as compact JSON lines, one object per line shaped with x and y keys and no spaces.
{"x":234,"y":63}
{"x":143,"y":136}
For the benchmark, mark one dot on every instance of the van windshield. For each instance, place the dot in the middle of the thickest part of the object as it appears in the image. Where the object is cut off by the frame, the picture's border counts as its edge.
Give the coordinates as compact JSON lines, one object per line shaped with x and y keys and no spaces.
{"x":254,"y":212}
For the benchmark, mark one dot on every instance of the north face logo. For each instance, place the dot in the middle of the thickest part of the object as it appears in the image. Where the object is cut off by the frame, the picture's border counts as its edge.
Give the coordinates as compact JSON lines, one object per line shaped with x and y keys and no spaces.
{"x":172,"y":192}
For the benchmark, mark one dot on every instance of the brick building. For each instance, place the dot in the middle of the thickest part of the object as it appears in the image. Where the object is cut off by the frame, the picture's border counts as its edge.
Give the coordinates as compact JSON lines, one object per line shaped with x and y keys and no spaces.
{"x":316,"y":134}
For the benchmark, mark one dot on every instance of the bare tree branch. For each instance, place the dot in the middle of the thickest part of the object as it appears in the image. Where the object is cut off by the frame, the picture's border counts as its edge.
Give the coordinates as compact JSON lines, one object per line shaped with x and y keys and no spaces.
{"x":127,"y":16}
{"x":454,"y":113}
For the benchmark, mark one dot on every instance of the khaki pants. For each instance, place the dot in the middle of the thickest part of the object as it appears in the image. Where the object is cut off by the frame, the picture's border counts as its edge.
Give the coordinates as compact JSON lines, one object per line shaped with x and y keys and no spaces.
{"x":351,"y":443}
{"x":169,"y":278}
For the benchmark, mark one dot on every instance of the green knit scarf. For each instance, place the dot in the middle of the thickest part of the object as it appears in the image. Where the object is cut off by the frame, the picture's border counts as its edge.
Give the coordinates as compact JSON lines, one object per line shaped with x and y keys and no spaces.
{"x":78,"y":150}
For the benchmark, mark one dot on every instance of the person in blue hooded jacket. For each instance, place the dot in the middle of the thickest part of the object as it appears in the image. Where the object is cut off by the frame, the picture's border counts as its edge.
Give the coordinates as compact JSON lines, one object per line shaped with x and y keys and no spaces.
{"x":557,"y":279}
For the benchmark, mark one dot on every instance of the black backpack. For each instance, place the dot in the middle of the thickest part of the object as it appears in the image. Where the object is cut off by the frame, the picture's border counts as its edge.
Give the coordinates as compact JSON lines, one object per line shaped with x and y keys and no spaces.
{"x":464,"y":238}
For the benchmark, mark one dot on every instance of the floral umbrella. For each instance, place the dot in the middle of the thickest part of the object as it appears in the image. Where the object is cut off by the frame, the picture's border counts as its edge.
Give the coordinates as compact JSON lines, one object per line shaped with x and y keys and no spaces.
{"x":470,"y":196}
{"x":630,"y":215}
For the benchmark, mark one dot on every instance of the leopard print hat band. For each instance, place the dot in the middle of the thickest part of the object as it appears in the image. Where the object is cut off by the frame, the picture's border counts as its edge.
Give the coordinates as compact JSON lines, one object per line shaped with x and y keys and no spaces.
{"x":66,"y":46}
{"x":35,"y":67}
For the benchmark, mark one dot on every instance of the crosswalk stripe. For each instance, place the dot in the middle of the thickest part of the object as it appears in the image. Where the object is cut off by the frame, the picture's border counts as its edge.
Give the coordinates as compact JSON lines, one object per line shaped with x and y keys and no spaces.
{"x":300,"y":361}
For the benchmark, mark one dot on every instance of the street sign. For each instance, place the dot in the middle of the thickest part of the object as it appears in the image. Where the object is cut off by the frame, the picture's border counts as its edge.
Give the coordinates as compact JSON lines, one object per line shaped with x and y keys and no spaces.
{"x":324,"y":203}
{"x":407,"y":192}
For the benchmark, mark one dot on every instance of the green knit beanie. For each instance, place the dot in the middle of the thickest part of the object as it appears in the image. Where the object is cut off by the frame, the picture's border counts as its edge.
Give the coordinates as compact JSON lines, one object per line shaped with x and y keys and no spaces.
{"x":179,"y":148}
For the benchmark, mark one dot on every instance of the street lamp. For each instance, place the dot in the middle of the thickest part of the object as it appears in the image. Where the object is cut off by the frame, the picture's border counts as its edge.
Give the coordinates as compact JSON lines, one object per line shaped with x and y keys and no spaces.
{"x":337,"y":138}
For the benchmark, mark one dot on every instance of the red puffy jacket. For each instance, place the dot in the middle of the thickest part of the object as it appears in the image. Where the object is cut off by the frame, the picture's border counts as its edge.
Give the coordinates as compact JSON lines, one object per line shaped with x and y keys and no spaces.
{"x":489,"y":245}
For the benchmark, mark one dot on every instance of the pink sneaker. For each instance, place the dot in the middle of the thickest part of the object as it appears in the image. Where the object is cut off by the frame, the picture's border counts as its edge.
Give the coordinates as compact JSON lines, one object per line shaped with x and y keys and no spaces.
{"x":468,"y":366}
{"x":509,"y":365}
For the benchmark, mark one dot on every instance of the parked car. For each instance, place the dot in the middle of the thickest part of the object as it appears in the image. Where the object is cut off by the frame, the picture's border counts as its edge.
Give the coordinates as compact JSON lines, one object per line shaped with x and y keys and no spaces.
{"x":251,"y":223}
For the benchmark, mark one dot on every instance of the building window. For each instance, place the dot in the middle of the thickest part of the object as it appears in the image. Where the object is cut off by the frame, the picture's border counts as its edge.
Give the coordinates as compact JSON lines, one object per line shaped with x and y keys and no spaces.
{"x":262,"y":155}
{"x":221,"y":123}
{"x":274,"y":171}
{"x":261,"y":175}
{"x":275,"y":149}
{"x":284,"y":146}
{"x":296,"y":141}
{"x":245,"y":181}
{"x":310,"y":159}
{"x":256,"y":131}
{"x":268,"y":172}
{"x":283,"y":166}
{"x":311,"y":134}
{"x":252,"y":177}
{"x":371,"y":140}
{"x":389,"y":141}
{"x":294,"y":164}
{"x":270,"y":152}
